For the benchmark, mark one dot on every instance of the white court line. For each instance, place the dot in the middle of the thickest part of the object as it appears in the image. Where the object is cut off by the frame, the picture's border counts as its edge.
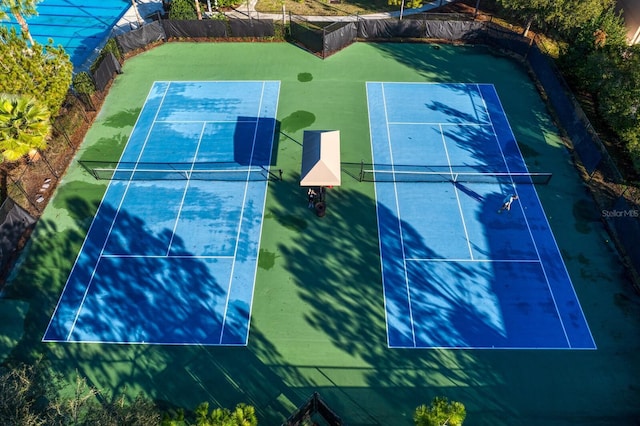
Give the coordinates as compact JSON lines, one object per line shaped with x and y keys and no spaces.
{"x":115,"y":217}
{"x":423,"y":123}
{"x":474,"y":260}
{"x":264,"y":203}
{"x":455,"y":191}
{"x":544,"y":272}
{"x":93,"y":221}
{"x":494,"y":348}
{"x":206,"y":121}
{"x":555,"y":243}
{"x":162,"y":256}
{"x":186,"y":189}
{"x":239,"y":231}
{"x":375,"y":190}
{"x":395,"y":193}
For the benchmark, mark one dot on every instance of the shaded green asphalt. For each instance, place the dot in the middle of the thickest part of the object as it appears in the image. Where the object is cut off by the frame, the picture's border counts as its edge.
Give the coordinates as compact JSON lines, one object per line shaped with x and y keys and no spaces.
{"x":318,"y":317}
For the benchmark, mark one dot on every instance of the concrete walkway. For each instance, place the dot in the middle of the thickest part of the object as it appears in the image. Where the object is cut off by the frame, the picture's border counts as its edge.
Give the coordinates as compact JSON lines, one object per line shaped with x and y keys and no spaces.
{"x":147,"y":8}
{"x":248,"y":10}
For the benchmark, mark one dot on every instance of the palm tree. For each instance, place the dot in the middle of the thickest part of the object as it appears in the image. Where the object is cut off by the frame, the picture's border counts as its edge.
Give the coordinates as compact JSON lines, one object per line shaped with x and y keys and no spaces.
{"x":24,"y":126}
{"x":20,"y":9}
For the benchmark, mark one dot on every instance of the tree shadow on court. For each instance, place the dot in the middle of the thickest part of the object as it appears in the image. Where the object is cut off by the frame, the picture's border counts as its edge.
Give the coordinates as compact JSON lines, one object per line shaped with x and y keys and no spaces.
{"x":150,"y":299}
{"x":497,"y":386}
{"x":175,"y":375}
{"x":335,"y":265}
{"x":442,"y":62}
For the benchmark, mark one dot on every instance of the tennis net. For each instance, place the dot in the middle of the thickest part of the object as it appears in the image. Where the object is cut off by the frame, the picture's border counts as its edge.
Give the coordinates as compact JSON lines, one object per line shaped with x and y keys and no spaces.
{"x":177,"y":171}
{"x":389,"y":173}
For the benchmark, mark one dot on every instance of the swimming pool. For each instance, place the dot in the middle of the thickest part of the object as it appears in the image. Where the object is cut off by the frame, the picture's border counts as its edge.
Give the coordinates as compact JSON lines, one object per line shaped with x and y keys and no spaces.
{"x":80,"y":27}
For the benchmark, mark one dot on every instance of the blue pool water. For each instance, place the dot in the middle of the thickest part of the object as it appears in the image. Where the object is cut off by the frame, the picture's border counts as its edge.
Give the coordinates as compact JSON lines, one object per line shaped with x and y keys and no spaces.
{"x":80,"y":27}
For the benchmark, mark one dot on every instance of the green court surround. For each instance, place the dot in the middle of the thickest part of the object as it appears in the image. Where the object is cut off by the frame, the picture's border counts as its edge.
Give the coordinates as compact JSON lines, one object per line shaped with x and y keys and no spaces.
{"x":318,"y":320}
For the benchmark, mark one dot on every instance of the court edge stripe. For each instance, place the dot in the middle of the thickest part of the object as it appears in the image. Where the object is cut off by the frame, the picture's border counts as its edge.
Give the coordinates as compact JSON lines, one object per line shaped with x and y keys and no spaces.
{"x":264,"y":204}
{"x":207,"y":121}
{"x":115,"y":217}
{"x":146,"y":343}
{"x":84,"y":242}
{"x":533,"y":240}
{"x":395,"y":194}
{"x":409,"y":123}
{"x":375,"y":191}
{"x":162,"y":256}
{"x":473,"y":260}
{"x":239,"y":231}
{"x":553,"y":238}
{"x":498,"y":348}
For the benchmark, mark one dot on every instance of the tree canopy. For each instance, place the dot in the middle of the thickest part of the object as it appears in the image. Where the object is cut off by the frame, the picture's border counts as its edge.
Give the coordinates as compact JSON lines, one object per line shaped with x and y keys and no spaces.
{"x":598,"y":60}
{"x":440,"y":412}
{"x":40,"y":72}
{"x":408,"y":4}
{"x":561,"y":15}
{"x":183,"y":9}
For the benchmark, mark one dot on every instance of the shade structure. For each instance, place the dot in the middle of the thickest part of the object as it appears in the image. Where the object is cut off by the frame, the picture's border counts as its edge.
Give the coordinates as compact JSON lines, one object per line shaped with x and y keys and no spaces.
{"x":320,"y":158}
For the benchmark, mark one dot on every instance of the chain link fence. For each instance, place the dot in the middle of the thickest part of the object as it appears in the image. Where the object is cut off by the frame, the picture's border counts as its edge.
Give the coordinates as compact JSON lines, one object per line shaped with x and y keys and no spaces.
{"x":30,"y":183}
{"x":618,"y":201}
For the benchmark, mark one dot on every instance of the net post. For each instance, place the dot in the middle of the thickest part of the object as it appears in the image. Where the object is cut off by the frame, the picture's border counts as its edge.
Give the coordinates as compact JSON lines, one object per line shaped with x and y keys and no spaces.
{"x":361,"y":176}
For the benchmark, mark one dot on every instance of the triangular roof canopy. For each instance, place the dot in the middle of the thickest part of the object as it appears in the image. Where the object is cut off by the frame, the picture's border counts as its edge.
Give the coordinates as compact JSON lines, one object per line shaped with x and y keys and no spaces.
{"x":320,"y":158}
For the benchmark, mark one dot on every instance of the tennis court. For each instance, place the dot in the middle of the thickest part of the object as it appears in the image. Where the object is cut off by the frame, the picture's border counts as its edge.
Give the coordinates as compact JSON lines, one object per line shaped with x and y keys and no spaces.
{"x":79,"y":27}
{"x":318,"y":314}
{"x":457,"y":271}
{"x":171,"y":255}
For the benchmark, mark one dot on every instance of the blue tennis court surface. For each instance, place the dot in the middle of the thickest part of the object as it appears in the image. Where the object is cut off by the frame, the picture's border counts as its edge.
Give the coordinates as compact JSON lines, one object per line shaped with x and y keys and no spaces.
{"x":78,"y":26}
{"x":173,"y":261}
{"x":456,"y":273}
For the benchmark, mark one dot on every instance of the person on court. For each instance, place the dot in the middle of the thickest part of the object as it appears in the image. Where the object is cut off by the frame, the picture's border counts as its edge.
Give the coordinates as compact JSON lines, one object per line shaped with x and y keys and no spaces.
{"x":311,"y":194}
{"x":506,"y":203}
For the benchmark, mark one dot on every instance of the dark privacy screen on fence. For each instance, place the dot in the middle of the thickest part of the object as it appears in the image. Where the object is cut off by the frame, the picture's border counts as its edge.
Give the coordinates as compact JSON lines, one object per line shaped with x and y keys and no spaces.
{"x":14,"y":222}
{"x":326,"y":38}
{"x":207,"y":28}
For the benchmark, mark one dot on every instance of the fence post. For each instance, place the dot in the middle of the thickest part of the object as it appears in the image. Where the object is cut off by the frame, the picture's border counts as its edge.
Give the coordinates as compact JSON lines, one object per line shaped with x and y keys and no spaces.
{"x":19,"y":186}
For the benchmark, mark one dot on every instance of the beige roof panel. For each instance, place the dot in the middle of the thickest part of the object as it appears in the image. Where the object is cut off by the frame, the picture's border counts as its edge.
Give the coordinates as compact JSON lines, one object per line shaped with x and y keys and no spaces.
{"x":320,"y":158}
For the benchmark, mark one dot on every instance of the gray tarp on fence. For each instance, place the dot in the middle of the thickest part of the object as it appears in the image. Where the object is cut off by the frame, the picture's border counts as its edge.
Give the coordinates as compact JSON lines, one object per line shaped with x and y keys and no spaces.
{"x":497,"y":36}
{"x":566,"y":108}
{"x":141,"y":37}
{"x":105,"y":71}
{"x":585,"y":141}
{"x":211,"y":28}
{"x":206,"y":28}
{"x":450,"y":30}
{"x":624,"y":219}
{"x":308,"y":35}
{"x":252,"y":28}
{"x":374,"y":29}
{"x":14,"y":222}
{"x":338,"y":36}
